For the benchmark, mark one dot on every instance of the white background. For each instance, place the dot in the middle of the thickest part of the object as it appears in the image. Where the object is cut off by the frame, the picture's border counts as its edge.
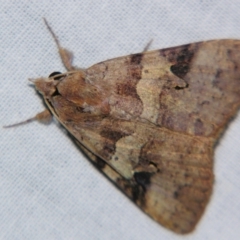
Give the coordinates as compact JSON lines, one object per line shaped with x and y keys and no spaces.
{"x":48,"y":190}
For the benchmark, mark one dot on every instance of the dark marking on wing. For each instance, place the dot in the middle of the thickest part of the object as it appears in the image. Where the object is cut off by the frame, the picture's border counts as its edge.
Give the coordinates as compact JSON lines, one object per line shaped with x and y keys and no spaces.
{"x":127,"y":89}
{"x":100,"y":164}
{"x":135,"y":67}
{"x":111,"y":137}
{"x":133,"y":190}
{"x":181,"y":57}
{"x":136,"y":58}
{"x":143,"y":179}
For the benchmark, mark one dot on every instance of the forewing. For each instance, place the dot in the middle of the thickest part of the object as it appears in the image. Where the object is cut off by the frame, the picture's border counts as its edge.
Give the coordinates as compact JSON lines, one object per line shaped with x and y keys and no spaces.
{"x":167,"y":174}
{"x":194,"y":88}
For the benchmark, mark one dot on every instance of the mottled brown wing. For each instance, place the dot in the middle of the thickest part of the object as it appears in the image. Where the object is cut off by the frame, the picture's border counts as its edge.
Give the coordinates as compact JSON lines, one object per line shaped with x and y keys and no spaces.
{"x":194,"y":88}
{"x":172,"y":181}
{"x":166,"y":173}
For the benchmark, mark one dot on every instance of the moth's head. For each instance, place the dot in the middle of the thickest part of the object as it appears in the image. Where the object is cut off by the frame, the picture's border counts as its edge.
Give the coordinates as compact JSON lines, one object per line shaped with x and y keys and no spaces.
{"x":47,"y":86}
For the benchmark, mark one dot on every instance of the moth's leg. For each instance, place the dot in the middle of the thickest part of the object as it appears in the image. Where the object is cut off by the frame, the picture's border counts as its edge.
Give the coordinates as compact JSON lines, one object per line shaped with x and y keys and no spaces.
{"x":147,"y":46}
{"x":42,"y":117}
{"x":65,"y":55}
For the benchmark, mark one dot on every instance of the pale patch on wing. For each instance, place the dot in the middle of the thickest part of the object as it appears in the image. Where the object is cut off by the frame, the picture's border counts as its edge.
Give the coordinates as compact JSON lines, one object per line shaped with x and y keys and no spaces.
{"x":127,"y":155}
{"x":148,"y":91}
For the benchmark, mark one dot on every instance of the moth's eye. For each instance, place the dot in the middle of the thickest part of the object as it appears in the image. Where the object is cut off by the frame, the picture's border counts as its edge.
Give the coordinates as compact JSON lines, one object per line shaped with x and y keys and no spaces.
{"x":54,"y":74}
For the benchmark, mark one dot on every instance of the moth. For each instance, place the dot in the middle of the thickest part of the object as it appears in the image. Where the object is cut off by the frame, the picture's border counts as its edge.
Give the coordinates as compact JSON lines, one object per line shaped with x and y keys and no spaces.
{"x":150,"y":121}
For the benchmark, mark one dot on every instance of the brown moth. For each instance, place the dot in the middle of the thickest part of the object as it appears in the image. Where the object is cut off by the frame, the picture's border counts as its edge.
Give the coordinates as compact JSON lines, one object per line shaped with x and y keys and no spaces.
{"x":150,"y":121}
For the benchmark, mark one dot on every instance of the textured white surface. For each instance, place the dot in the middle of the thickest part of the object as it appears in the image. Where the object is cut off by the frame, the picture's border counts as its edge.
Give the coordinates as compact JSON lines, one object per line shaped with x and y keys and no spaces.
{"x":48,"y":190}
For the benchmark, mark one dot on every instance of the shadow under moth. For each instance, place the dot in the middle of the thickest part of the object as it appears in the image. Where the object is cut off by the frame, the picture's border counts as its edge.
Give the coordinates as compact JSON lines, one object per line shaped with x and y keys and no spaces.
{"x":150,"y":121}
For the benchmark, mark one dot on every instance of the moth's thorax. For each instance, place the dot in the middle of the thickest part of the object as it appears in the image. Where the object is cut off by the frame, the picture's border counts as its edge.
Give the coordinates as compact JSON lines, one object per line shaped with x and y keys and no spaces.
{"x":75,"y":89}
